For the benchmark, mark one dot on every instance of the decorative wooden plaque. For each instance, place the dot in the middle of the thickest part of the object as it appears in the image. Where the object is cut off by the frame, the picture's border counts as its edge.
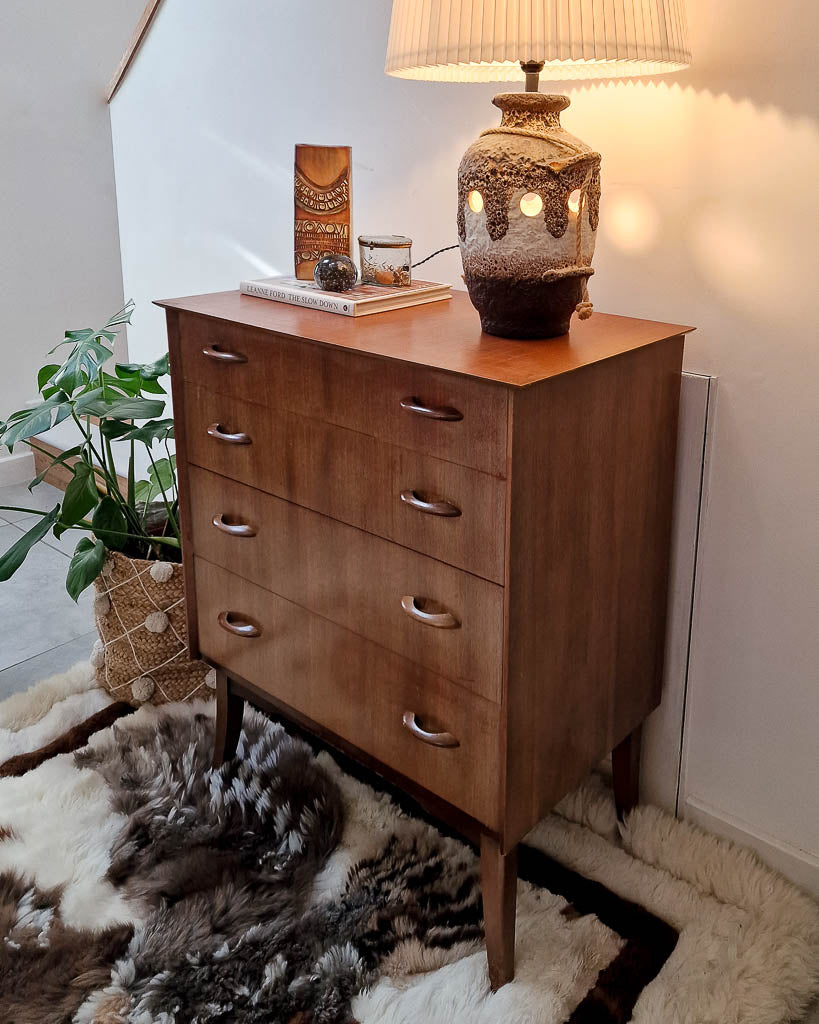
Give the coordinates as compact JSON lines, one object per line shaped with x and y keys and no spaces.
{"x":322,"y":189}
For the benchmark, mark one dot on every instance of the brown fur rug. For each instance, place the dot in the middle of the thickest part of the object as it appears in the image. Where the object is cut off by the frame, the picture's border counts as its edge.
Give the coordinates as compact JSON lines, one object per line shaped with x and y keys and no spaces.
{"x":220,"y":862}
{"x":72,"y":739}
{"x":139,"y":886}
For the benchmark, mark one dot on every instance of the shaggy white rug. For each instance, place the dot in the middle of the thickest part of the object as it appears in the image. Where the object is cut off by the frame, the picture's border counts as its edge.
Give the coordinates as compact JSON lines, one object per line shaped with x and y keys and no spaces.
{"x":748,"y":946}
{"x":25,"y":709}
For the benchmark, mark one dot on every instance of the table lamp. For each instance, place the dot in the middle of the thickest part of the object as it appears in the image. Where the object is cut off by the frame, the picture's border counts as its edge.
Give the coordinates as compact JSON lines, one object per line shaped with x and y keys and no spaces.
{"x":528,"y":191}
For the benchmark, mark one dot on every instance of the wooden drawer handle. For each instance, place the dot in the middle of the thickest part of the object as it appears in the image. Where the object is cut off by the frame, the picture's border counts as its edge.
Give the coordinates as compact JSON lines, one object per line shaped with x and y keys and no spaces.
{"x":240,"y":628}
{"x":432,"y":508}
{"x":435,"y":739}
{"x":442,"y":620}
{"x":433,"y":412}
{"x":234,"y":529}
{"x":212,"y":352}
{"x":215,"y":430}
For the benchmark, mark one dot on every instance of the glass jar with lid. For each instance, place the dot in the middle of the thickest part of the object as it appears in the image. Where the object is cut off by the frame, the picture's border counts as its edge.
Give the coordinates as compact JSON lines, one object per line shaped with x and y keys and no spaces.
{"x":385,"y":260}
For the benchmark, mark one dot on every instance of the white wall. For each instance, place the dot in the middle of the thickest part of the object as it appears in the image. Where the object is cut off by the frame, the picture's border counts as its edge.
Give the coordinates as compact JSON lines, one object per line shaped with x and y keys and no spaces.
{"x":708,"y":218}
{"x":59,"y":244}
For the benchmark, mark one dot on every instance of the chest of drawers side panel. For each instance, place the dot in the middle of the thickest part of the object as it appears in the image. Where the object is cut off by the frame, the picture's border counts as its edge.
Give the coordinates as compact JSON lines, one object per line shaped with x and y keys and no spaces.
{"x":590,"y":502}
{"x":181,"y":443}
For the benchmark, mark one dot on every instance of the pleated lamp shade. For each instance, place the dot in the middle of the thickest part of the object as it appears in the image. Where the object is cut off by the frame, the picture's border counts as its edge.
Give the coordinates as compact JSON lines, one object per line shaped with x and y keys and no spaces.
{"x":485,"y":40}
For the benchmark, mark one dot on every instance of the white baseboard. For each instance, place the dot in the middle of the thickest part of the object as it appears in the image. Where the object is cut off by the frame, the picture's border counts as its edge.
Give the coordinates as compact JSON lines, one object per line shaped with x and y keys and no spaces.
{"x":800,"y":866}
{"x":17,"y":468}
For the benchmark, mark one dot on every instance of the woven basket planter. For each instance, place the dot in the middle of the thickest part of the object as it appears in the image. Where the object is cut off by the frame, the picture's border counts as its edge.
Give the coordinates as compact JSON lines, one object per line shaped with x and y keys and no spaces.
{"x":142,"y":654}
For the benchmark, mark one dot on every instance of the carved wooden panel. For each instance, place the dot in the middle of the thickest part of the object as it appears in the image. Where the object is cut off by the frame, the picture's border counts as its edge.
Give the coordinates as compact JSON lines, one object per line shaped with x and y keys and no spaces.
{"x":322,"y":185}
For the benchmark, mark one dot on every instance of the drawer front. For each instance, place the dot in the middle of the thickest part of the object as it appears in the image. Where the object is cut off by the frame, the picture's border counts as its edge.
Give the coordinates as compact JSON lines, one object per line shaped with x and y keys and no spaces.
{"x":445,"y":619}
{"x":350,"y":390}
{"x":354,"y":688}
{"x":352,"y":477}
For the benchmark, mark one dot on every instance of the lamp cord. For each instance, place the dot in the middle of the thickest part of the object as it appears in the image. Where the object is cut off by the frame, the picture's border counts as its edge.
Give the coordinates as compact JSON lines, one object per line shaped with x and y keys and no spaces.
{"x":436,"y":253}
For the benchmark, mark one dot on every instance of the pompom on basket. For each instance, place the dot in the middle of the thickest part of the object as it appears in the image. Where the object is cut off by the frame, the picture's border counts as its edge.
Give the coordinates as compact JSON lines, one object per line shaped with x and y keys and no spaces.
{"x":142,"y":654}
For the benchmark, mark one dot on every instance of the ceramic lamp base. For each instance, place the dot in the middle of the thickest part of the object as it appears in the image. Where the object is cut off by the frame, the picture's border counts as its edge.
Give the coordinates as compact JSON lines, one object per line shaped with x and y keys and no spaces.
{"x":528,"y":209}
{"x":525,"y":309}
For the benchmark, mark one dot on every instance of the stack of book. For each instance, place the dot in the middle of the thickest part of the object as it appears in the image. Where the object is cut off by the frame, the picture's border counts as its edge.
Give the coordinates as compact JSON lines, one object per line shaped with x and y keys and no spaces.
{"x":359,"y":301}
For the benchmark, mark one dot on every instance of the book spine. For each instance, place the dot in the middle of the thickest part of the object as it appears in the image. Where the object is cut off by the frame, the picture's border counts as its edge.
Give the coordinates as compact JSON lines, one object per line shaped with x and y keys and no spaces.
{"x":326,"y":303}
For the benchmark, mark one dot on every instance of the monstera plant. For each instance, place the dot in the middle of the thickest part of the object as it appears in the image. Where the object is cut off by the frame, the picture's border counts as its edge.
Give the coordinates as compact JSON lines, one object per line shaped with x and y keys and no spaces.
{"x":111,"y":406}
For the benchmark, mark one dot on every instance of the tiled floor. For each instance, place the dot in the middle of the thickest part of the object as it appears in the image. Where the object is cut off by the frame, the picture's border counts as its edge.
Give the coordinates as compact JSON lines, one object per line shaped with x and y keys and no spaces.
{"x":42,"y":631}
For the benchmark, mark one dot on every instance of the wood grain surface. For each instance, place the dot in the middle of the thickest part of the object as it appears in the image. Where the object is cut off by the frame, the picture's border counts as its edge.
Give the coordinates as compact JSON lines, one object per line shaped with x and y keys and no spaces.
{"x":359,"y":392}
{"x":183,"y":480}
{"x":443,"y":335}
{"x":499,"y":887}
{"x":590,"y":496}
{"x":356,"y":689}
{"x":353,"y":578}
{"x":352,"y":477}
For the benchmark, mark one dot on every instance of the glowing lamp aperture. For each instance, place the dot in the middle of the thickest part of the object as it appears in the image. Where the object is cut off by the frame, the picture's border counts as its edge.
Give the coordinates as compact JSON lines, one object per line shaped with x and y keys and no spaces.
{"x":475,"y":201}
{"x":531,"y":204}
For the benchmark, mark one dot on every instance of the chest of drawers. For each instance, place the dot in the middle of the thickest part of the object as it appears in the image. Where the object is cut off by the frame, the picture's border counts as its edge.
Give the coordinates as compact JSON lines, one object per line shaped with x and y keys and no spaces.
{"x":445,"y":553}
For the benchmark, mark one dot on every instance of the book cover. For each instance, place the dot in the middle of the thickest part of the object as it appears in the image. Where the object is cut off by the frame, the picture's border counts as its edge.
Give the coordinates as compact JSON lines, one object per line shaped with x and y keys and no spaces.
{"x":358,"y":301}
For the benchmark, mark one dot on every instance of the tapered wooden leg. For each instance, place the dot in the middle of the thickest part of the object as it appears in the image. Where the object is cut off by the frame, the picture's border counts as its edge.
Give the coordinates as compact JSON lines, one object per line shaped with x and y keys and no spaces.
{"x":229,"y":711}
{"x":499,"y":881}
{"x":625,"y":768}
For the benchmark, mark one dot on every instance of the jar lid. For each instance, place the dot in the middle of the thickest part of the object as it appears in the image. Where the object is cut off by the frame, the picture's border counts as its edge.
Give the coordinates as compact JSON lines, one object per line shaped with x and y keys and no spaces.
{"x":385,"y":241}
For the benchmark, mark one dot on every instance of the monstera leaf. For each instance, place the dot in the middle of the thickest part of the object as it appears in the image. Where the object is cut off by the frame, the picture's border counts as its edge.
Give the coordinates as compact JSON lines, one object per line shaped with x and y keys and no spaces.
{"x":111,"y":405}
{"x":16,"y":554}
{"x":85,"y":566}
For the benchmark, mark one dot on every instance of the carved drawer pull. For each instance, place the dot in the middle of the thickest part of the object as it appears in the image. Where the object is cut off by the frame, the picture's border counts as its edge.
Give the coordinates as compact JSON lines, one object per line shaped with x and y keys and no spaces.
{"x":215,"y":430}
{"x":433,"y":412}
{"x":442,"y":620}
{"x":234,"y":529}
{"x":239,"y":628}
{"x":212,"y":352}
{"x":432,"y":508}
{"x":435,"y":739}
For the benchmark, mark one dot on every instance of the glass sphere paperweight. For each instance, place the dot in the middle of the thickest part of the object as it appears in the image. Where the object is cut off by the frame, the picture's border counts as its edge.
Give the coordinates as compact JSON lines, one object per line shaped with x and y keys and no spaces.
{"x":335,"y":273}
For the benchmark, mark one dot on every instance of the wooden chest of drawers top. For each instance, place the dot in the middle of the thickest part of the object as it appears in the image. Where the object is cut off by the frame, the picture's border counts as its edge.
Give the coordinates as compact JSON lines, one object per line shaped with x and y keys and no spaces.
{"x":441,"y":335}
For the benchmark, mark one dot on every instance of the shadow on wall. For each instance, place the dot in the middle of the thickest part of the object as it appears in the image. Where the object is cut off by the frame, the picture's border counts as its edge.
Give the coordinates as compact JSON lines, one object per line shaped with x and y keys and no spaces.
{"x":756,"y":51}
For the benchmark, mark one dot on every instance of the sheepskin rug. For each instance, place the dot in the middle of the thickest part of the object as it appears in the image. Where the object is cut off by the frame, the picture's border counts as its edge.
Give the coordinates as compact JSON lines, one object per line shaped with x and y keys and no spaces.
{"x":139,"y":885}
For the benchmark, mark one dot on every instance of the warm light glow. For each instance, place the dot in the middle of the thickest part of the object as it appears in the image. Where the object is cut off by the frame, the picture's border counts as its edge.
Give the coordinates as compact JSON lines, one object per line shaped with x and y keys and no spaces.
{"x":747,"y":259}
{"x":475,"y":201}
{"x":485,"y":40}
{"x":574,"y":201}
{"x":630,"y":221}
{"x":531,"y":204}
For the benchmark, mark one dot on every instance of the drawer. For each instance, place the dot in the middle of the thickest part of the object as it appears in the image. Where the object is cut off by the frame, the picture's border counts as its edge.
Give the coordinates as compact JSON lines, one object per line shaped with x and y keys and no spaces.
{"x":355,"y":688}
{"x":351,"y":390}
{"x":354,"y":478}
{"x":445,"y":619}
